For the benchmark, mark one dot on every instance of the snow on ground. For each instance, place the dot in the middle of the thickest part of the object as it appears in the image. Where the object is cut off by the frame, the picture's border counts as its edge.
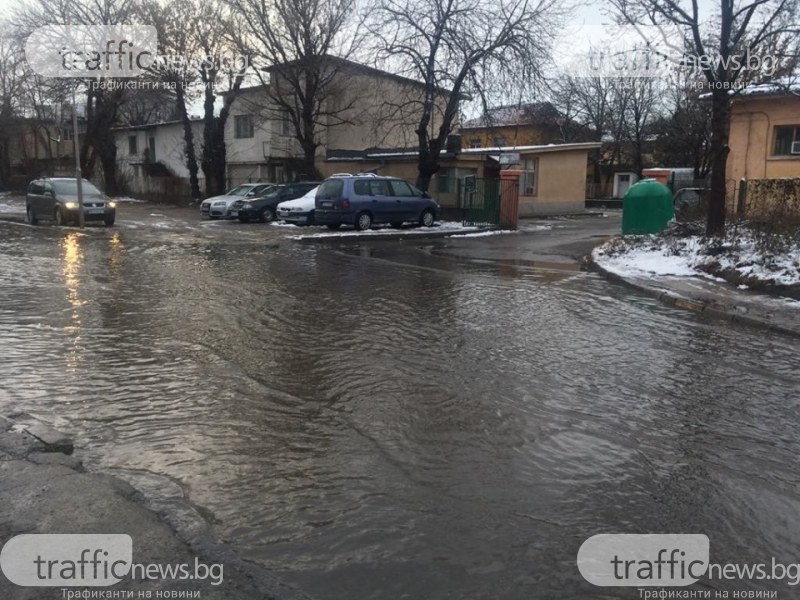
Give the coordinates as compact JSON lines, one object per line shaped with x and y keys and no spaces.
{"x":11,"y":206}
{"x":444,"y":226}
{"x":693,"y":256}
{"x":127,"y":199}
{"x":646,"y":261}
{"x":488,"y":233}
{"x":782,"y":268}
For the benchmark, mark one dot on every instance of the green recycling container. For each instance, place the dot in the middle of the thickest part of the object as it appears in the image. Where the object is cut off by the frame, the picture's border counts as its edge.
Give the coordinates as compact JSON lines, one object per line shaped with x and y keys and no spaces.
{"x":647,"y":208}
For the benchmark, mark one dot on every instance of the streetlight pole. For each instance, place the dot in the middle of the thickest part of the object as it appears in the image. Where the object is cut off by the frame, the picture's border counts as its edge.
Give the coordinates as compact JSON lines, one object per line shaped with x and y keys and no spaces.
{"x":76,"y":149}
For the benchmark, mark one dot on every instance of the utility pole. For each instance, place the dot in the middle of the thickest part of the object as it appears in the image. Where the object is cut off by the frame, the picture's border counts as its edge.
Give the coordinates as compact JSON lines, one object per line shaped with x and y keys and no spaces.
{"x":76,"y":149}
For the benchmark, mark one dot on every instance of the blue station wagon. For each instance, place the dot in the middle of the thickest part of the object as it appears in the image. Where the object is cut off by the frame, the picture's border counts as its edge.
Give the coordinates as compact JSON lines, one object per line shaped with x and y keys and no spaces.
{"x":363,"y":200}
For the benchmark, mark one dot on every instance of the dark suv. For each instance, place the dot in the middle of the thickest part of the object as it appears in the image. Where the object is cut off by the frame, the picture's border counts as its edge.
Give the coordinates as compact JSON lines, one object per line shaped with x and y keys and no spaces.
{"x":362,"y":200}
{"x":264,"y":207}
{"x":56,"y":198}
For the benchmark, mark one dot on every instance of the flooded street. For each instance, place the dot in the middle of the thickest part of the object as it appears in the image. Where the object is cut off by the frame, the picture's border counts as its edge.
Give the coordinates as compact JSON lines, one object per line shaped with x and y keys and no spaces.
{"x":431,"y":419}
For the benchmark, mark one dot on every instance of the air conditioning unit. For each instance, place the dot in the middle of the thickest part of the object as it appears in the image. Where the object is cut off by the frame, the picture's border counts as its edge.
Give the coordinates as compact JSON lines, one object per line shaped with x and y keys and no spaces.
{"x":795,"y":147}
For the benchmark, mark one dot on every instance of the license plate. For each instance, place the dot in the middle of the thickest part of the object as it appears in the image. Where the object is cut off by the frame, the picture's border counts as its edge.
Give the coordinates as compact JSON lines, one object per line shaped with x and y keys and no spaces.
{"x":234,"y":213}
{"x":325,"y":204}
{"x":95,"y":211}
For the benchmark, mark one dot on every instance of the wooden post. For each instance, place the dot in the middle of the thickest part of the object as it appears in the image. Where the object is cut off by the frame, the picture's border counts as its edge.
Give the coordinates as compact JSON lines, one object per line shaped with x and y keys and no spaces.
{"x":509,"y":198}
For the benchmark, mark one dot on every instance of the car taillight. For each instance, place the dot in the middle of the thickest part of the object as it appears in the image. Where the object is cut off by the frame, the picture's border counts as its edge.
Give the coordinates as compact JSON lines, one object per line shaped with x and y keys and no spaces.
{"x":345,"y":203}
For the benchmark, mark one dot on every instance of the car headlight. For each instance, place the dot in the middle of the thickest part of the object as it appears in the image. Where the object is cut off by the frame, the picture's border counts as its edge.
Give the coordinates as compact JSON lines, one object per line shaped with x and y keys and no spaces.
{"x":70,"y":205}
{"x":112,"y":204}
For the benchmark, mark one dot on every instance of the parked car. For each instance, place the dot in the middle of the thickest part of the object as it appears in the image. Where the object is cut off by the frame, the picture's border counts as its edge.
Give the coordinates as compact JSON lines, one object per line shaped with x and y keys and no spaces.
{"x":366,"y":199}
{"x":299,"y":211}
{"x":56,"y":198}
{"x":264,"y":208}
{"x":219,"y":207}
{"x":690,"y":203}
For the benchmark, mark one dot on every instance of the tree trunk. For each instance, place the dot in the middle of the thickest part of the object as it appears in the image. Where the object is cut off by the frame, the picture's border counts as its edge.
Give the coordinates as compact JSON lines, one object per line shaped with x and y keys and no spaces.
{"x":188,"y":139}
{"x":109,"y":161}
{"x":720,"y":128}
{"x":101,"y":117}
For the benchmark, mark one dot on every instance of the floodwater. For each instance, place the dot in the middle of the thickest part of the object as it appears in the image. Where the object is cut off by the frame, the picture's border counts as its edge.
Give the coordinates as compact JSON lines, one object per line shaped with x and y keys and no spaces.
{"x":399,"y":420}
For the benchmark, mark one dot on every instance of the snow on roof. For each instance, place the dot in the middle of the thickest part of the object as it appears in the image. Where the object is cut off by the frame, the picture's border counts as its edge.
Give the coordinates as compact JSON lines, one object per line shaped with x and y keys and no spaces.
{"x":515,"y":114}
{"x":533,"y":149}
{"x":774,"y":88}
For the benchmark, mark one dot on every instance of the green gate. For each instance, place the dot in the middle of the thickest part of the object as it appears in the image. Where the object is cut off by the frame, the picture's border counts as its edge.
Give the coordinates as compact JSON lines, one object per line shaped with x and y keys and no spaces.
{"x":480,"y":200}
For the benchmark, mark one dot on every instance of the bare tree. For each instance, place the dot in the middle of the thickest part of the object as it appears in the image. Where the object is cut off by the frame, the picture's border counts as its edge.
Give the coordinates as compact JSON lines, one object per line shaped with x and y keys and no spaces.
{"x":102,"y":101}
{"x":304,"y":46}
{"x":180,"y":26}
{"x":684,"y":131}
{"x":458,"y":49}
{"x":641,"y":106}
{"x":602,"y":105}
{"x":11,"y":82}
{"x":740,"y":28}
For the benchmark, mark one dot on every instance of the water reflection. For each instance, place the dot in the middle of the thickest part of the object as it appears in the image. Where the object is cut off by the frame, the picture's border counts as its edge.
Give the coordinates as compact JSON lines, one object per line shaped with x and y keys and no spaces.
{"x":73,"y":258}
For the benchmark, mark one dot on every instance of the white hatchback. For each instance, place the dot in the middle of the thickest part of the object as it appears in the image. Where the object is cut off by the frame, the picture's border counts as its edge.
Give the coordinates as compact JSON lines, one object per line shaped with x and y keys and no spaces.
{"x":299,"y":211}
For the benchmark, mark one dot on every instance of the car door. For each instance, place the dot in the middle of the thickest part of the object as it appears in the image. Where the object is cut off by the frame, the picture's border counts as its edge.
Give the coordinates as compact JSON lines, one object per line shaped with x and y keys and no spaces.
{"x":48,"y":200}
{"x":383,"y":204}
{"x":32,"y":198}
{"x":407,"y":204}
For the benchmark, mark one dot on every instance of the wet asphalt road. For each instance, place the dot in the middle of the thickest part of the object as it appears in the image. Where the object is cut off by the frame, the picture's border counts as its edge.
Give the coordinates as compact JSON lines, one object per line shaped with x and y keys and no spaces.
{"x":435,"y":419}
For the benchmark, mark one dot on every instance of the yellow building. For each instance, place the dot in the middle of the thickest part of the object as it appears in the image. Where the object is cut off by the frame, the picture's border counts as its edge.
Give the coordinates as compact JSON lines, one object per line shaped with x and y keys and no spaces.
{"x":522,"y":125}
{"x":552,"y":179}
{"x":765,"y":134}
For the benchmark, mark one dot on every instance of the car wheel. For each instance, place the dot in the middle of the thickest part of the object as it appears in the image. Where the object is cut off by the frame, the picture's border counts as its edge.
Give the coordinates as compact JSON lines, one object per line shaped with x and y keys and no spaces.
{"x":427,"y":218}
{"x":397,"y":224}
{"x":310,"y":219}
{"x":334,"y":226}
{"x":267,"y":216}
{"x":30,"y":216}
{"x":363,"y":221}
{"x":109,"y":221}
{"x":59,"y":217}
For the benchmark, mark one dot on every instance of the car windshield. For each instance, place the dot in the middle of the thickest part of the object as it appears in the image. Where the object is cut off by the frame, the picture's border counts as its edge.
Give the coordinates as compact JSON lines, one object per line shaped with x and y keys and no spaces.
{"x":240,"y":191}
{"x":69,"y":187}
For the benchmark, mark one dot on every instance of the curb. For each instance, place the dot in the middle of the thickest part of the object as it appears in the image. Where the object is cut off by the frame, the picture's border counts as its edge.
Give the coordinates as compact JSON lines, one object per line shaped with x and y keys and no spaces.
{"x":399,"y":235}
{"x":51,"y":439}
{"x":697,"y":306}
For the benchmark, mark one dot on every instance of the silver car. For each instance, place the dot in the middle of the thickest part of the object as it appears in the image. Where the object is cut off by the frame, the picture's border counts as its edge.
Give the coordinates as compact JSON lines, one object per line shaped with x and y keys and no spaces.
{"x":219,"y":207}
{"x":56,"y":199}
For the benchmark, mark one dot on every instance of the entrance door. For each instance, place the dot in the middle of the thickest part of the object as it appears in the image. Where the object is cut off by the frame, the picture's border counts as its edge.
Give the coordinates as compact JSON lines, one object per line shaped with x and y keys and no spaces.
{"x":623,"y":184}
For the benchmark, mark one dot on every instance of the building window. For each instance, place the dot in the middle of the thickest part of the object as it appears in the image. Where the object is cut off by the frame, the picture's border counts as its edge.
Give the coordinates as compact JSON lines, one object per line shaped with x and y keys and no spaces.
{"x":444,"y":180}
{"x":152,"y":149}
{"x":287,"y":128}
{"x":787,"y":141}
{"x":475,"y":143}
{"x":528,"y":180}
{"x":133,"y":146}
{"x":243,"y":126}
{"x":500,"y":142}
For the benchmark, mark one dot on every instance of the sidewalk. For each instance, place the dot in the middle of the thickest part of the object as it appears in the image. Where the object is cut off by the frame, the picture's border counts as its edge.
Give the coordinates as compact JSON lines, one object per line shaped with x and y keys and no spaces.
{"x":715,"y":299}
{"x":45,"y":490}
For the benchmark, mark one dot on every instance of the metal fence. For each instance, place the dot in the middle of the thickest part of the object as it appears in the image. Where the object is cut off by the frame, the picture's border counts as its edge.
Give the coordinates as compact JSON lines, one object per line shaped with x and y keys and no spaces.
{"x":480,"y":199}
